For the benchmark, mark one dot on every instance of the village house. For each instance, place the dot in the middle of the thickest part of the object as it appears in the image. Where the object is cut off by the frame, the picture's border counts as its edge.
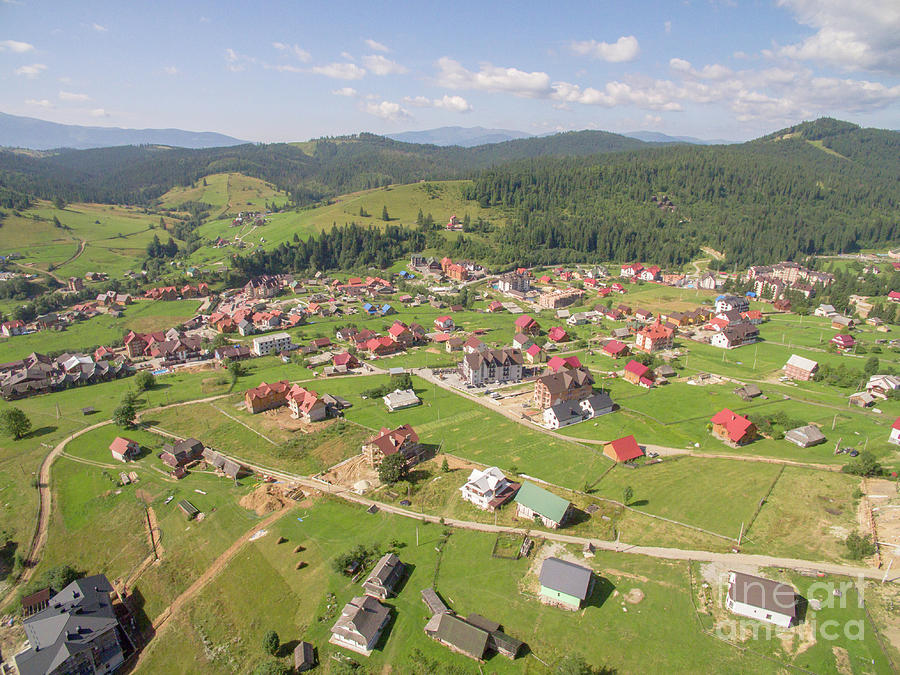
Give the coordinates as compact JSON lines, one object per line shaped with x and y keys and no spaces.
{"x":535,"y":503}
{"x":124,"y":449}
{"x":567,"y":385}
{"x":557,"y":334}
{"x":651,"y":273}
{"x":881,"y":386}
{"x":360,"y":624}
{"x":454,"y":344}
{"x":615,"y":349}
{"x":493,"y":365}
{"x":400,"y":399}
{"x":565,"y":584}
{"x":558,"y":363}
{"x":630,"y":270}
{"x":732,"y":302}
{"x":825,"y":310}
{"x":521,"y":341}
{"x":805,"y":436}
{"x":734,"y":336}
{"x":623,"y":449}
{"x":800,"y":368}
{"x":266,"y":396}
{"x":306,"y":405}
{"x":401,"y":334}
{"x":534,"y":354}
{"x":562,"y":414}
{"x":637,"y":373}
{"x":526,"y":325}
{"x":762,"y":599}
{"x":182,"y":453}
{"x":458,"y":635}
{"x":11,"y":328}
{"x":384,"y":577}
{"x":842,"y":323}
{"x":474,"y":344}
{"x":596,"y":404}
{"x":78,"y":632}
{"x":843,"y":341}
{"x":655,"y":337}
{"x":707,"y":282}
{"x":403,"y":440}
{"x":894,"y":436}
{"x":345,"y":360}
{"x":445,"y":324}
{"x":488,"y":489}
{"x":733,"y":429}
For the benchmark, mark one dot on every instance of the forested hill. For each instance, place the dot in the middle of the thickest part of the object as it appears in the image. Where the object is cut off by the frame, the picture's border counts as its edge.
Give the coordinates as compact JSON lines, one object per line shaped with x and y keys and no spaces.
{"x":307,"y":171}
{"x":825,"y":186}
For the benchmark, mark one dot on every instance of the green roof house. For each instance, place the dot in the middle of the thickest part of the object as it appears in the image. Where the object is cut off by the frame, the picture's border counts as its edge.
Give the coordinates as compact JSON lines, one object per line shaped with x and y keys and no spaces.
{"x":536,"y":503}
{"x":459,"y":635}
{"x":564,"y":584}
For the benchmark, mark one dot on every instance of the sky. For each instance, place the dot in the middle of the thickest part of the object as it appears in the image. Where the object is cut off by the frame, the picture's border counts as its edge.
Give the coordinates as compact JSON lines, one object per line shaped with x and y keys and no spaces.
{"x":294,"y":70}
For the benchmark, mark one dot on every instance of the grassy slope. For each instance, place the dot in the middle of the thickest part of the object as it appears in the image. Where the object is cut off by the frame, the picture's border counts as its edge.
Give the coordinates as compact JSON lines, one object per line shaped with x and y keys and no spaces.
{"x":223,"y":629}
{"x":402,"y":201}
{"x":227,"y":193}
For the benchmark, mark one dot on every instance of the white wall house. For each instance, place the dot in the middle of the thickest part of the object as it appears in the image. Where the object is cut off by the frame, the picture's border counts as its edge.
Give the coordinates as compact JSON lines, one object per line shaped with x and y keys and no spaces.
{"x":762,"y":599}
{"x":487,"y":489}
{"x":271,"y":344}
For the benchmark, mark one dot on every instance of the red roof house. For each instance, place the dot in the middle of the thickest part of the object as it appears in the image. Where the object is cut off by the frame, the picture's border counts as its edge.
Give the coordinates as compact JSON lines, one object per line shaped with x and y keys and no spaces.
{"x":615,"y":349}
{"x":623,"y":449}
{"x":732,"y":428}
{"x":558,"y":334}
{"x":843,"y":341}
{"x":894,"y":296}
{"x":525,"y":324}
{"x":635,"y":371}
{"x":557,"y":363}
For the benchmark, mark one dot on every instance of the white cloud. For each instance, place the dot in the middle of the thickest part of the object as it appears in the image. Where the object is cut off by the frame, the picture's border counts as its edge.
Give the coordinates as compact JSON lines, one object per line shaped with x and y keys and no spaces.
{"x":850,"y":34}
{"x":295,"y":50}
{"x":490,"y":78}
{"x":447,"y":102}
{"x":31,"y":71}
{"x":377,"y":46}
{"x":651,"y":96}
{"x":16,"y":46}
{"x":99,"y":112}
{"x":652,"y":120}
{"x":341,"y":71}
{"x":43,"y":103}
{"x":668,"y":27}
{"x":170,"y":70}
{"x":387,"y":110}
{"x":236,"y":62}
{"x":345,"y":91}
{"x":626,"y":48}
{"x":100,"y":29}
{"x":72,"y":96}
{"x":709,"y":72}
{"x":380,"y":65}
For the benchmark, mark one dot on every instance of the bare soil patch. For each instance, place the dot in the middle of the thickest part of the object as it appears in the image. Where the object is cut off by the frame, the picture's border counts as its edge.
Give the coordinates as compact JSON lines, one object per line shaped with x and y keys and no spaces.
{"x":265,"y":499}
{"x":351,"y":472}
{"x":634,"y":596}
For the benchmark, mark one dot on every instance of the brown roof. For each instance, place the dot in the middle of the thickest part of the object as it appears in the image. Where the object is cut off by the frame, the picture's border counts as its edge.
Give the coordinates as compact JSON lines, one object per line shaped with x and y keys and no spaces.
{"x":564,"y":380}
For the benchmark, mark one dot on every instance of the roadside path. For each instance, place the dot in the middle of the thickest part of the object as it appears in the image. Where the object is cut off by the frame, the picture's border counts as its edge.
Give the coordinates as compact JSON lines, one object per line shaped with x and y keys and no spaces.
{"x":211,"y":572}
{"x":746,"y":560}
{"x":45,"y":498}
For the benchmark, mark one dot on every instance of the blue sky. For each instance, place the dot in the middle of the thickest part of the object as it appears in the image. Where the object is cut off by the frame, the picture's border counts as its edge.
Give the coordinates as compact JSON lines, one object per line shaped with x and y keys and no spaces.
{"x":296,"y":70}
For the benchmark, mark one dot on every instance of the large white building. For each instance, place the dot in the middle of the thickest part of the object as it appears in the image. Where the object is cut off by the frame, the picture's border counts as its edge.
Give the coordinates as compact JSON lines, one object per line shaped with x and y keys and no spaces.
{"x":494,"y":365}
{"x":761,"y":599}
{"x":271,"y":344}
{"x":488,"y":489}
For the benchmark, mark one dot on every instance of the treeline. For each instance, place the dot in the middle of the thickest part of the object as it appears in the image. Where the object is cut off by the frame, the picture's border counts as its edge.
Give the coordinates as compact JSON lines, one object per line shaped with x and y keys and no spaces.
{"x":759,"y":202}
{"x":342,"y":248}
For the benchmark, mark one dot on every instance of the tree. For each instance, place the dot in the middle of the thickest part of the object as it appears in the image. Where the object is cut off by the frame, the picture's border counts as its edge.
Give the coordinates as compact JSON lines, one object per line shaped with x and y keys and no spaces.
{"x":15,"y":423}
{"x":144,"y":381}
{"x":871,"y":366}
{"x":124,"y":415}
{"x":384,"y":214}
{"x":270,"y":668}
{"x":863,"y":465}
{"x":129,"y":398}
{"x":445,"y":467}
{"x":60,"y":576}
{"x":271,"y":642}
{"x":627,"y":494}
{"x":236,"y":369}
{"x":574,"y":664}
{"x":858,"y":546}
{"x":219,"y":341}
{"x":392,"y":469}
{"x":59,"y":202}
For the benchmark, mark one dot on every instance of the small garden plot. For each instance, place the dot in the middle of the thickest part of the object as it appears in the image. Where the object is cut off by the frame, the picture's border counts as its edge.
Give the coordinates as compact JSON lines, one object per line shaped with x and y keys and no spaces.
{"x":508,"y":546}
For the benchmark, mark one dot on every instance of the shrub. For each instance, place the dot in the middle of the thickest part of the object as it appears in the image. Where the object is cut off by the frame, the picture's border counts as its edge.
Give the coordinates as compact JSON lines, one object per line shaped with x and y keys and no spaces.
{"x":271,"y":642}
{"x":859,"y":546}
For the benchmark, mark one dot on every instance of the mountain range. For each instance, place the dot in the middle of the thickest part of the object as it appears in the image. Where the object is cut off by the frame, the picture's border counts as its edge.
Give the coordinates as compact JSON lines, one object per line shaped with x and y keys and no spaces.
{"x":36,"y":134}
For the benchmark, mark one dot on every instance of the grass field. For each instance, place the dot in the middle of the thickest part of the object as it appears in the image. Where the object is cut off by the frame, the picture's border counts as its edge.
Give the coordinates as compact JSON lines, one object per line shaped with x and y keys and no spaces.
{"x":116,"y":237}
{"x":223,"y":629}
{"x":402,"y":202}
{"x":226,"y":193}
{"x":143,"y":316}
